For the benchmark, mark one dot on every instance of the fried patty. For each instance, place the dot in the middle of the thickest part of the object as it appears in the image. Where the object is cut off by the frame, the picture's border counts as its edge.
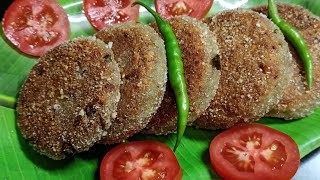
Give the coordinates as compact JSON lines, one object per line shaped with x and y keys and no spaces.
{"x":256,"y":67}
{"x":299,"y":101}
{"x":198,"y":46}
{"x":69,"y":98}
{"x":140,"y":53}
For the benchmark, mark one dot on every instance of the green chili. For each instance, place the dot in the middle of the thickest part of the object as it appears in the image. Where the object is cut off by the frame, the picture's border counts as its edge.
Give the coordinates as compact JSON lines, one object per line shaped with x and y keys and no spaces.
{"x":175,"y":71}
{"x":7,"y":101}
{"x":295,"y":38}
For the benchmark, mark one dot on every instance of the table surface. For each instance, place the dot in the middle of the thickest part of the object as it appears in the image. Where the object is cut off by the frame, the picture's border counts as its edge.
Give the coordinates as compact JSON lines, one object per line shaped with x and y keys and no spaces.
{"x":310,"y":165}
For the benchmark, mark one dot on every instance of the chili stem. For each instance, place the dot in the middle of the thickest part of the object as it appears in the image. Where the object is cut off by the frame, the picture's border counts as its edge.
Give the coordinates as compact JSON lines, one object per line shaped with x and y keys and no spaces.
{"x":175,"y":72}
{"x":295,"y":38}
{"x":7,"y":101}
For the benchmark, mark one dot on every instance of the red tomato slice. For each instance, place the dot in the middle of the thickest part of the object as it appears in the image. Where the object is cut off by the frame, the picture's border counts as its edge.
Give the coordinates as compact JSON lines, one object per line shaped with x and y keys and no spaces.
{"x":146,"y":160}
{"x":104,"y":13}
{"x":193,"y":8}
{"x":254,"y":152}
{"x":35,"y":26}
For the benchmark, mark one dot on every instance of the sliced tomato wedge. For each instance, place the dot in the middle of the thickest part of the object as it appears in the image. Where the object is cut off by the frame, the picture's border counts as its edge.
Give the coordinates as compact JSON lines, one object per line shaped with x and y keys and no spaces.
{"x":193,"y":8}
{"x":254,"y":151}
{"x":146,"y":160}
{"x":104,"y":13}
{"x":35,"y":26}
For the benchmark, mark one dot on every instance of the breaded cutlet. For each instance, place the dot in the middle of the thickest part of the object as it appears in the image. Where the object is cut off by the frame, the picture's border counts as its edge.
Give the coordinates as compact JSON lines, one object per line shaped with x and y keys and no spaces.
{"x":199,"y":48}
{"x":256,"y":68}
{"x":69,"y":98}
{"x":141,"y":56}
{"x":299,"y":101}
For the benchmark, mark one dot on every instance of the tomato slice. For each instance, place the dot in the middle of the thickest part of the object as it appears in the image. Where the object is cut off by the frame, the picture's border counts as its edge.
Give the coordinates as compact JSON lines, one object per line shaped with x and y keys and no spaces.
{"x":35,"y":26}
{"x":254,"y":152}
{"x":104,"y":13}
{"x":146,"y":160}
{"x":193,"y":8}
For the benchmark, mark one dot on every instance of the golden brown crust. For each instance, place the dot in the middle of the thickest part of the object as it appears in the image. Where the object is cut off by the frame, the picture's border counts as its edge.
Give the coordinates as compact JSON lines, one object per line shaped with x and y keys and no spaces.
{"x":298,"y":100}
{"x":69,"y":98}
{"x":198,"y":46}
{"x":254,"y":60}
{"x":140,"y":53}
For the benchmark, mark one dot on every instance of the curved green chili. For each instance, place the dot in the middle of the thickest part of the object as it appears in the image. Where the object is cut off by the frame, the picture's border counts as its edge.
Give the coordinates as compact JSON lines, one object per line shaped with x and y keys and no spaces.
{"x":175,"y":71}
{"x":295,"y":38}
{"x":7,"y":101}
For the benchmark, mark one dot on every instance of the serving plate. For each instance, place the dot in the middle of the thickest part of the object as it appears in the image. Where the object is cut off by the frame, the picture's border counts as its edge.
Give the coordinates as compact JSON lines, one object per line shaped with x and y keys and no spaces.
{"x":19,"y":161}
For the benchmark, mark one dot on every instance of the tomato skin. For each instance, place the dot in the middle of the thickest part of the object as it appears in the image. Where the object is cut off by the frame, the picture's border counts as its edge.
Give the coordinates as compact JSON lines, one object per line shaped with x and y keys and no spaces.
{"x":102,"y":14}
{"x":192,"y":8}
{"x":262,"y":169}
{"x":149,"y":155}
{"x":35,"y":26}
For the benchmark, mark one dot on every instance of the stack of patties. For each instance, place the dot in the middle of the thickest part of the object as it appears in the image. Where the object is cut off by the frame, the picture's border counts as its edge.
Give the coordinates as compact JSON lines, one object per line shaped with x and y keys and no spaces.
{"x":104,"y":89}
{"x":85,"y":91}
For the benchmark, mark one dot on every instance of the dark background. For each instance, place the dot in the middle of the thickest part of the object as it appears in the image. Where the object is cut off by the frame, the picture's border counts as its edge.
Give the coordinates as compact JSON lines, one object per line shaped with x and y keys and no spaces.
{"x":3,"y":6}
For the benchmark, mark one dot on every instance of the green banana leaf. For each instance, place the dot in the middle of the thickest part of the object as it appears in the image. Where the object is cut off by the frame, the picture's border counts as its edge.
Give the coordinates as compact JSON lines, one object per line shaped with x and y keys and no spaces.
{"x":19,"y":161}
